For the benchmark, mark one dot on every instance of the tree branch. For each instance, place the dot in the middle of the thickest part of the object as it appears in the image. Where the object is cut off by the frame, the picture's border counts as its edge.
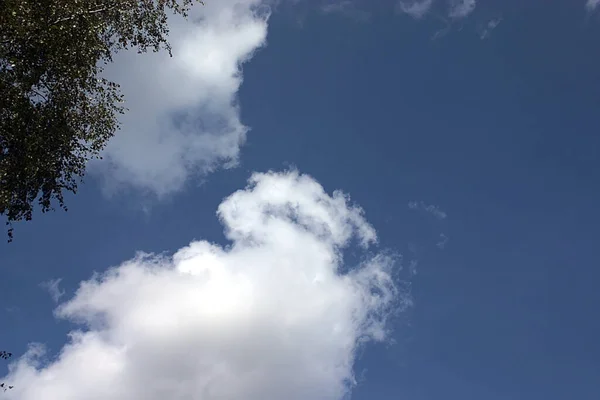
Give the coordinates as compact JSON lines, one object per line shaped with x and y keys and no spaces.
{"x":88,"y":12}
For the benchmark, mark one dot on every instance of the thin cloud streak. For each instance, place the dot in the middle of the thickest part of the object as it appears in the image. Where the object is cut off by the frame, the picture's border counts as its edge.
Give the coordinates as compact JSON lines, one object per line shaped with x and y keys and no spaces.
{"x":429,"y":208}
{"x":489,"y":27}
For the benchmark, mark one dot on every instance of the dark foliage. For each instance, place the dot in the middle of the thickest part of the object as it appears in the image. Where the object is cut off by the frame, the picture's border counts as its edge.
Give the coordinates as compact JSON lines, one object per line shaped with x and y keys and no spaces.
{"x":56,"y":112}
{"x":5,"y":356}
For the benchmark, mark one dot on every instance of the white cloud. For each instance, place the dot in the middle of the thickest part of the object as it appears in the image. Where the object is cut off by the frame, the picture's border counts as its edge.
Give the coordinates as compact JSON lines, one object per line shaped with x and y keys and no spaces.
{"x":269,"y":317}
{"x":591,"y":5}
{"x":183,"y":119}
{"x":52,"y":286}
{"x":461,"y":8}
{"x":415,"y":8}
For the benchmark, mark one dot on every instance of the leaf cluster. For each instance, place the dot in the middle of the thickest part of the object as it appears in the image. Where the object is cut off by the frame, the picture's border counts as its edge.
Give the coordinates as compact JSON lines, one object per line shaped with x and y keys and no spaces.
{"x":5,"y":355}
{"x":56,"y":110}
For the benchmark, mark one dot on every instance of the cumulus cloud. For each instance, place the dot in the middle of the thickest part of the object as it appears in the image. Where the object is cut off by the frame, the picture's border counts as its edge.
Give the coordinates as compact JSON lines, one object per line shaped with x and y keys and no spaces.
{"x":591,"y":5}
{"x":183,"y":119}
{"x":461,"y":8}
{"x":52,"y":286}
{"x":415,"y":8}
{"x":271,"y":316}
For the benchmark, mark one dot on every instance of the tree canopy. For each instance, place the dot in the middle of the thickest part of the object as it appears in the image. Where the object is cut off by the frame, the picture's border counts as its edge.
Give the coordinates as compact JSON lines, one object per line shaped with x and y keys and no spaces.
{"x":56,"y":110}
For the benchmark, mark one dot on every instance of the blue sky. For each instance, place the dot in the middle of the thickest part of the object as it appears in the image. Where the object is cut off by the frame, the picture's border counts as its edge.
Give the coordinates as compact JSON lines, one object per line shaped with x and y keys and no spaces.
{"x":473,"y":153}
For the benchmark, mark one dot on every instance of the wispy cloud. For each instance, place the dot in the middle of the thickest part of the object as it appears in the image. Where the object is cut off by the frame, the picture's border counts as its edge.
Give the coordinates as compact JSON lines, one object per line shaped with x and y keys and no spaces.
{"x":415,"y":8}
{"x":432,"y":209}
{"x":337,"y":6}
{"x":347,"y":8}
{"x":461,"y":8}
{"x":52,"y":287}
{"x":412,"y":267}
{"x":591,"y":5}
{"x":442,"y":242}
{"x":490,"y":26}
{"x":268,"y":317}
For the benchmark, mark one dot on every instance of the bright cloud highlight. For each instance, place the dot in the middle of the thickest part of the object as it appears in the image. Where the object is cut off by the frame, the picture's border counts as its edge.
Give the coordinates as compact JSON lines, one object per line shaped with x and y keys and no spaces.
{"x":183,"y":119}
{"x":270,"y":317}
